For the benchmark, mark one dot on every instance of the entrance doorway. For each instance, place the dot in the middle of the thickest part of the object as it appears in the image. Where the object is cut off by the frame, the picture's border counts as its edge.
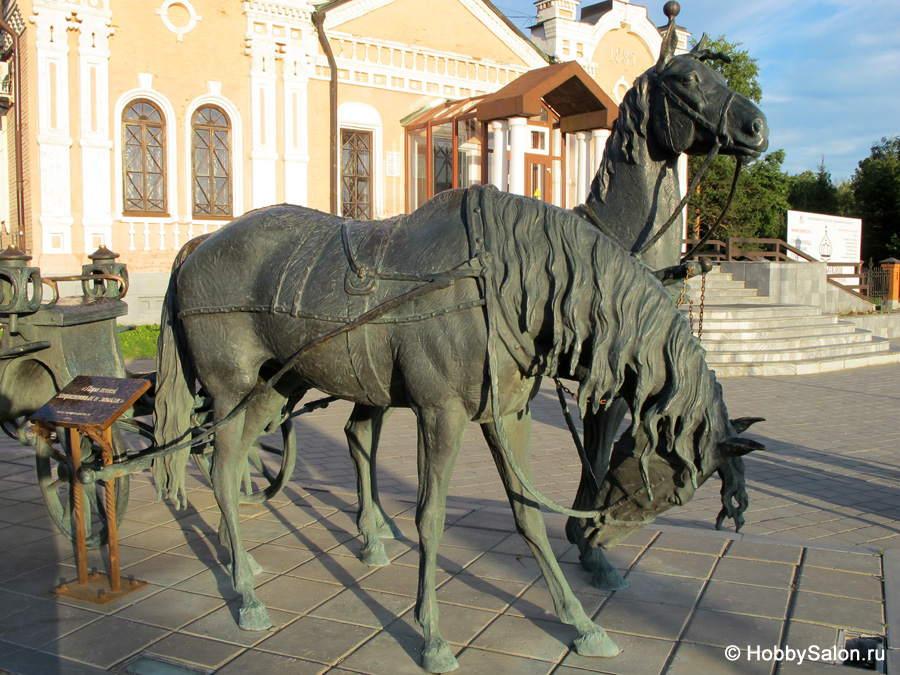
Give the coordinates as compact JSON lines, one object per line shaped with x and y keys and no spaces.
{"x":539,"y":177}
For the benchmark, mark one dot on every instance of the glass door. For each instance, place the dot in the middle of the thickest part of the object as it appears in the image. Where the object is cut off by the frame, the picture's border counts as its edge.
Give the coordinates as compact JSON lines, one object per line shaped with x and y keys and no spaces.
{"x":538,"y":177}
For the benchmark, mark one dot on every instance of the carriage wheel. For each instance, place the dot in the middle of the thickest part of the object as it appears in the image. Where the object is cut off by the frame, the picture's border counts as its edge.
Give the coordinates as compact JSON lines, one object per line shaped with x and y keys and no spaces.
{"x":54,"y":479}
{"x":268,"y":470}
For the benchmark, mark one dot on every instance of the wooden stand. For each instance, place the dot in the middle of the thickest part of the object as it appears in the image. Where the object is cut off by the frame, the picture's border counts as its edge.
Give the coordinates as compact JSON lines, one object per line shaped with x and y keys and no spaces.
{"x":88,"y":407}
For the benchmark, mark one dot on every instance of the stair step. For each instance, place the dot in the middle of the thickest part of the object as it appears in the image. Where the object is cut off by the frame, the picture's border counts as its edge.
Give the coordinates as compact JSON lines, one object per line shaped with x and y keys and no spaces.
{"x":713,"y":282}
{"x":807,"y":366}
{"x":776,"y":332}
{"x":717,"y":302}
{"x":751,"y":312}
{"x":787,"y":344}
{"x":738,"y":294}
{"x":777,"y":355}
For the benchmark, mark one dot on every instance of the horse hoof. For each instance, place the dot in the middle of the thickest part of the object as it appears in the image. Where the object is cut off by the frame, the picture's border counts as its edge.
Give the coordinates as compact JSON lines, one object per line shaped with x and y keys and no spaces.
{"x":609,"y":580}
{"x":374,"y":556}
{"x":596,"y":643}
{"x":389,"y":530}
{"x":603,"y":574}
{"x":254,"y":618}
{"x":438,"y":658}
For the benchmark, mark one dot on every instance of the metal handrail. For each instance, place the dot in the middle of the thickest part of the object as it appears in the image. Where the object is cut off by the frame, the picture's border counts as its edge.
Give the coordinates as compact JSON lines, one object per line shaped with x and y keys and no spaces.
{"x":730,"y":249}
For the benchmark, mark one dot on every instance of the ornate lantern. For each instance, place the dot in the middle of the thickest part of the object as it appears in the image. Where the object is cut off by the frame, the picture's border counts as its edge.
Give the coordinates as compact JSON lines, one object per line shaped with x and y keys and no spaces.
{"x":104,"y":263}
{"x":20,"y":285}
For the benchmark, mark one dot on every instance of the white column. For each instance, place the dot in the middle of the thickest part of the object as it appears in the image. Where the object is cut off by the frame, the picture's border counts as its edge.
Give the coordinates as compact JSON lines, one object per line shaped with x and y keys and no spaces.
{"x":94,"y":137}
{"x":599,"y":137}
{"x":557,"y":150}
{"x":682,"y":191}
{"x":53,"y":137}
{"x":581,"y":167}
{"x":498,"y":165}
{"x":518,"y":141}
{"x":263,"y":150}
{"x":296,"y":128}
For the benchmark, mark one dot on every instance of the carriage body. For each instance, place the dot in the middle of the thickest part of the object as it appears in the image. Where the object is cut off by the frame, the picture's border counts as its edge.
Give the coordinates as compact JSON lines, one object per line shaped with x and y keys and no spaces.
{"x":46,"y":343}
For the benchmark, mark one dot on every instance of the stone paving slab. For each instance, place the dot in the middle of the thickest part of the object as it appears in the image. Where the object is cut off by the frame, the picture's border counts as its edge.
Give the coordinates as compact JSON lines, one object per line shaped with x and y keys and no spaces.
{"x":824,"y":503}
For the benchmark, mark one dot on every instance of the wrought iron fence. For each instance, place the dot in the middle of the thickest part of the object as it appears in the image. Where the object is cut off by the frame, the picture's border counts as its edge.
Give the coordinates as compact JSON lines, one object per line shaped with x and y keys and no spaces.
{"x":877,"y":279}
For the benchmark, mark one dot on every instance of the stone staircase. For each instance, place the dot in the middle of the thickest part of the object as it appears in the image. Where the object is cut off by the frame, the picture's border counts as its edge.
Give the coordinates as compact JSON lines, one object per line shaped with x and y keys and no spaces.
{"x":745,"y":334}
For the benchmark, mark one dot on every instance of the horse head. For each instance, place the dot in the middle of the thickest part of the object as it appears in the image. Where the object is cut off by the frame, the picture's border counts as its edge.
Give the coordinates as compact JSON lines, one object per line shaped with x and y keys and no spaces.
{"x":694,"y":110}
{"x":635,"y":492}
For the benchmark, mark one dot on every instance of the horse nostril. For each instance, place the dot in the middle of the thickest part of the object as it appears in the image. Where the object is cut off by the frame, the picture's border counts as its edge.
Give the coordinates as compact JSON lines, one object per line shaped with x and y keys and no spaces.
{"x":757,"y":126}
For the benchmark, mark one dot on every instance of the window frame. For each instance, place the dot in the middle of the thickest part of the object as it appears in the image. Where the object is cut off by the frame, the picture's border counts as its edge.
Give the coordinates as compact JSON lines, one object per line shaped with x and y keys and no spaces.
{"x":163,"y":164}
{"x":229,"y":128}
{"x":451,"y":113}
{"x":370,"y":205}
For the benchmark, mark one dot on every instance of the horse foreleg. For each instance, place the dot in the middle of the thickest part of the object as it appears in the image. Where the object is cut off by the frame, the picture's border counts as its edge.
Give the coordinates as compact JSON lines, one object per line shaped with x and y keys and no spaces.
{"x":228,"y":468}
{"x":592,"y":639}
{"x":600,"y":430}
{"x":363,"y":430}
{"x":440,"y":436}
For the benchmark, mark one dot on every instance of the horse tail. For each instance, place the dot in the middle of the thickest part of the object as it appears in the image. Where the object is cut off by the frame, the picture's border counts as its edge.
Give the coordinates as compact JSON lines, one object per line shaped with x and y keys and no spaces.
{"x":174,"y":394}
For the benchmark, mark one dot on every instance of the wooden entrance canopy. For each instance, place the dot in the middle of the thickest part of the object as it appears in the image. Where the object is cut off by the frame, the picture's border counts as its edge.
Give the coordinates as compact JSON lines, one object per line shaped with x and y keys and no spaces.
{"x":572,"y":93}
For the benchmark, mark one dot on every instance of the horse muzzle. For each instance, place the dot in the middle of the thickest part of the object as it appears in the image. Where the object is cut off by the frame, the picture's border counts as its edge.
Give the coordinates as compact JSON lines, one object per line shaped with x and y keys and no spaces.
{"x":748,"y":130}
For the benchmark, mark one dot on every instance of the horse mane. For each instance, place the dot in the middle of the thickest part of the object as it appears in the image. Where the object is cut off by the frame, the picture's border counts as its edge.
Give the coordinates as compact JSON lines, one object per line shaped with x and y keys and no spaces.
{"x":628,"y":127}
{"x":555,"y":271}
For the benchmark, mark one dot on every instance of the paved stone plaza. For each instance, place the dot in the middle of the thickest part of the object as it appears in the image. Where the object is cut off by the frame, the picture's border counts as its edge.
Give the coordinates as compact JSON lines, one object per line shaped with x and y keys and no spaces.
{"x":820,"y":552}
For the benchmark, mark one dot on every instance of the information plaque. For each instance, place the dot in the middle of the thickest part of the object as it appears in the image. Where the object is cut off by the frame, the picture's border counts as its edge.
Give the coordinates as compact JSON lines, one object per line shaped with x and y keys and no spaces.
{"x":89,"y":401}
{"x":88,"y":406}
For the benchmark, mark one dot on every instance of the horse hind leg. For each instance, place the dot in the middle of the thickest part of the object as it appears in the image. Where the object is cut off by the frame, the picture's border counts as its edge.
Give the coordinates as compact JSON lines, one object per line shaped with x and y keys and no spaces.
{"x":363,"y":430}
{"x":592,"y":640}
{"x":230,"y":448}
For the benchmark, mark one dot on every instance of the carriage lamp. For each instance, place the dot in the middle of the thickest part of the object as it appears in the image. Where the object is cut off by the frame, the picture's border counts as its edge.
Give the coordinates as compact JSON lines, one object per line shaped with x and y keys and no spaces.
{"x":20,"y":285}
{"x":110,"y":278}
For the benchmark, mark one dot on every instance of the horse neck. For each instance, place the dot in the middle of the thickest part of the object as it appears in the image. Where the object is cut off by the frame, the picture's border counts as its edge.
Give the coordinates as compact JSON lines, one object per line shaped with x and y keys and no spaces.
{"x":635,"y":197}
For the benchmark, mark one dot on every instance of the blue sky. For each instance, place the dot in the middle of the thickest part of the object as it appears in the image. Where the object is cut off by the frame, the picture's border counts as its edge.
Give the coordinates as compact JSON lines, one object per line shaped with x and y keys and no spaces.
{"x":829,"y":69}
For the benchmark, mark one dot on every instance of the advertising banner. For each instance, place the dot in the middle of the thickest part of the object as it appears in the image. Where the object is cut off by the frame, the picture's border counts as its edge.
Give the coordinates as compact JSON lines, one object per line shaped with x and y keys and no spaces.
{"x":831,"y":239}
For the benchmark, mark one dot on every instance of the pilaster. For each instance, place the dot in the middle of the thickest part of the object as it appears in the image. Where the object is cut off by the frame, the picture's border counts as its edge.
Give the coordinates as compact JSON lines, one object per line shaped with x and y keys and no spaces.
{"x":296,"y":125}
{"x":263,"y":120}
{"x":94,"y":133}
{"x":54,"y":139}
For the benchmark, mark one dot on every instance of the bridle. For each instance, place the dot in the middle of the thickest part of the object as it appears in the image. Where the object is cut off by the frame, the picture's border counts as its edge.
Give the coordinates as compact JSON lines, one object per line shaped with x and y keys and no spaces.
{"x":723,"y":141}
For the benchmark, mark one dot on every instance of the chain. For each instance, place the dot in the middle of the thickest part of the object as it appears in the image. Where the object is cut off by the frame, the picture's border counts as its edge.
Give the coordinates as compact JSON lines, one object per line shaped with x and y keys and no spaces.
{"x":702,"y":304}
{"x":571,"y":393}
{"x":680,"y":300}
{"x":691,"y":313}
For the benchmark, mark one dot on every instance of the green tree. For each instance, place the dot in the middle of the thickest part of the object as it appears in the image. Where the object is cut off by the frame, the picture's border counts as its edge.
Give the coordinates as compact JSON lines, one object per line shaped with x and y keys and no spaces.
{"x":761,"y":200}
{"x":876,"y":195}
{"x":742,"y":73}
{"x":814,"y":192}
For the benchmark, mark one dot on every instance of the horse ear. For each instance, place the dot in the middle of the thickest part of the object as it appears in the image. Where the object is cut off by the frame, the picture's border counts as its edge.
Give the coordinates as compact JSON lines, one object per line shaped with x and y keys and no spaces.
{"x":738,"y":447}
{"x":670,"y":42}
{"x":741,"y":424}
{"x":701,"y":46}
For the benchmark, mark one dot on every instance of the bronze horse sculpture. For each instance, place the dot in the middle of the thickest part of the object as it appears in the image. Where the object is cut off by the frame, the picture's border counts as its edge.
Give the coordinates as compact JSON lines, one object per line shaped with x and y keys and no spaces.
{"x":678,"y":106}
{"x":477,"y":295}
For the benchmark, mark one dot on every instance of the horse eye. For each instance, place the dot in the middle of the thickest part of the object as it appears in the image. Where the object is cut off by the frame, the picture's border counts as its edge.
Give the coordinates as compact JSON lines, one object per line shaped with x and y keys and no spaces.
{"x":690,"y":78}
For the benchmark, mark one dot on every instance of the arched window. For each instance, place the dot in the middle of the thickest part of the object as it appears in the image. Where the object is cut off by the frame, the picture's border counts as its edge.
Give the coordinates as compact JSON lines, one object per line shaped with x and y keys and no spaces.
{"x":144,"y":144}
{"x":211,"y":163}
